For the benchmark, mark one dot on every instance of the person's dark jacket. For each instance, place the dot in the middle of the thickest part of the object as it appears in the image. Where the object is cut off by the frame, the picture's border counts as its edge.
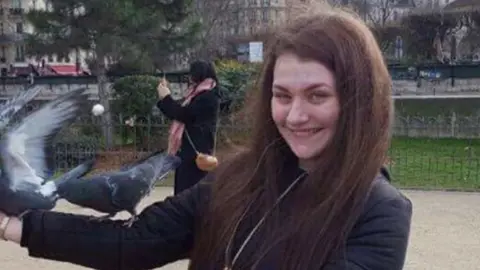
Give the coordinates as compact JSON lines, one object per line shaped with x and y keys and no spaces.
{"x":200,"y":119}
{"x":165,"y":233}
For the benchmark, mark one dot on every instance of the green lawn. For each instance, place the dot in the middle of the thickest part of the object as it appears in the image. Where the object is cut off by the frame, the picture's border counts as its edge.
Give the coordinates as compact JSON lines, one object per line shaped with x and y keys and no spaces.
{"x":436,"y":163}
{"x":446,"y":164}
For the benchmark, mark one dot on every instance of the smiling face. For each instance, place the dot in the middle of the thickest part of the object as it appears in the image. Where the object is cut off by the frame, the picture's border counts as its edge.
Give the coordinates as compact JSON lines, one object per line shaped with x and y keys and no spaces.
{"x":305,"y":105}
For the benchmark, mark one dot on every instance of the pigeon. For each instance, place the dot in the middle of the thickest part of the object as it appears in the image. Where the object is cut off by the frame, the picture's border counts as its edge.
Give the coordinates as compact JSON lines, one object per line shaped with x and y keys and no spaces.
{"x":117,"y":191}
{"x":22,"y":201}
{"x":17,"y":102}
{"x":25,"y":155}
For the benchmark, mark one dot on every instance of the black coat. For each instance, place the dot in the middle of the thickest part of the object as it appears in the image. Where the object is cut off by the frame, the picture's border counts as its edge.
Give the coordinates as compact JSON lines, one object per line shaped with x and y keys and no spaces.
{"x":165,"y":233}
{"x":200,"y":118}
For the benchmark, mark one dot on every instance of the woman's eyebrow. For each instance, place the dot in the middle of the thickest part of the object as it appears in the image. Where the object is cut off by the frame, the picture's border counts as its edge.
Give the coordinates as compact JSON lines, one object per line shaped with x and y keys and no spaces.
{"x":309,"y":87}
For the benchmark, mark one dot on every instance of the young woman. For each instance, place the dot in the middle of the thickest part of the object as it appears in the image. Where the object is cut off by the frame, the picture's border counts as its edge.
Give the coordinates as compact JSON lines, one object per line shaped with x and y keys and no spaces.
{"x":308,"y":194}
{"x":194,"y":122}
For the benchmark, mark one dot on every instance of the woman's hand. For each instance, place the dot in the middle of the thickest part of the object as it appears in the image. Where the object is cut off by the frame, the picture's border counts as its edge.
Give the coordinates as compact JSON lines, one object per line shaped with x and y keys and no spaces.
{"x":162,"y":88}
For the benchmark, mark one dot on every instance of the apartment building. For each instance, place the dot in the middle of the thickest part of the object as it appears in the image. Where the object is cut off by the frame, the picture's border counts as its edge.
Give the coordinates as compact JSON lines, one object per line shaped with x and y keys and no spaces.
{"x":256,"y":16}
{"x":380,"y":12}
{"x":434,"y":4}
{"x":254,"y":19}
{"x":13,"y":58}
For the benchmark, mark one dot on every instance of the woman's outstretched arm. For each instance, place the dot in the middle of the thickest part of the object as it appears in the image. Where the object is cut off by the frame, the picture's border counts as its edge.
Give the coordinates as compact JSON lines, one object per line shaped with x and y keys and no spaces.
{"x":163,"y":234}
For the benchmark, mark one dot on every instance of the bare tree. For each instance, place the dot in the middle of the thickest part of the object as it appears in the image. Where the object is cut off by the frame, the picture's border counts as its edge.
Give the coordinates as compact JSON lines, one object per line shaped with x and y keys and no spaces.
{"x":376,"y":12}
{"x":220,"y":18}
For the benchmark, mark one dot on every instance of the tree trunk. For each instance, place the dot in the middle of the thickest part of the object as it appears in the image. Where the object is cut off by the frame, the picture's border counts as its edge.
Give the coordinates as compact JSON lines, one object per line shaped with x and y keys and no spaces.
{"x":104,"y":96}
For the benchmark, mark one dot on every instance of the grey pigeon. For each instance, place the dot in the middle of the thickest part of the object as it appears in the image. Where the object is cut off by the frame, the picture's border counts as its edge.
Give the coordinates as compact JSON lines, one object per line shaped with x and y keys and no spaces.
{"x":25,"y":155}
{"x":116,"y":191}
{"x":19,"y":202}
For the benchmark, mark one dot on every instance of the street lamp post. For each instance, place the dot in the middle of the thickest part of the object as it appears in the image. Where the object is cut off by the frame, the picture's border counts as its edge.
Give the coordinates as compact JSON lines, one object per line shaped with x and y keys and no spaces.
{"x":365,"y":10}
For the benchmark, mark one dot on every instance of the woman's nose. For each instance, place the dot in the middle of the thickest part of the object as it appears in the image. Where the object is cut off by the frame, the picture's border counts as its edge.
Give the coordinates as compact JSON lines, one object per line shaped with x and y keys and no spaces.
{"x":297,"y":114}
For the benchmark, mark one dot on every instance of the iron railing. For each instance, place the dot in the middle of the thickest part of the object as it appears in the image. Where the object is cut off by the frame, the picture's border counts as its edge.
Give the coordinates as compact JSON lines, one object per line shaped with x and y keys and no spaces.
{"x":423,"y":157}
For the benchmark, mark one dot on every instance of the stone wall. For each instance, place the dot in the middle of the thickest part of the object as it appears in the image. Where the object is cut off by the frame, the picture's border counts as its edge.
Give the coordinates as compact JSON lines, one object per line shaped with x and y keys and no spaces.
{"x":52,"y":90}
{"x":432,"y":87}
{"x":400,"y":88}
{"x":434,"y":118}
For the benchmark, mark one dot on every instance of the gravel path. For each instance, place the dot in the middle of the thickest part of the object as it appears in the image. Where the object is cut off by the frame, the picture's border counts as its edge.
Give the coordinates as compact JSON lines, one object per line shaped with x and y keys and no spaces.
{"x":445,"y":234}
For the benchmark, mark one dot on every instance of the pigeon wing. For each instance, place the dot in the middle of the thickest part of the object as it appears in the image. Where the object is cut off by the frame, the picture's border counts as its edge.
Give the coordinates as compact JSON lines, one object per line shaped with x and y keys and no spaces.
{"x":17,"y":102}
{"x":24,"y":149}
{"x":124,"y":187}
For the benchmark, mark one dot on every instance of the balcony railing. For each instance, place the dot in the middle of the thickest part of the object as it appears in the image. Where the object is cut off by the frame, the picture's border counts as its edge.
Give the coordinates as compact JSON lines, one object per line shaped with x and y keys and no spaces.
{"x":6,"y":38}
{"x":16,"y":11}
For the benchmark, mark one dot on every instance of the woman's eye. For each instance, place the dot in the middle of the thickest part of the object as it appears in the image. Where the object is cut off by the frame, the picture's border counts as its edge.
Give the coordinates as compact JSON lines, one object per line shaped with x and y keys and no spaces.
{"x":316,"y":97}
{"x":281,"y":96}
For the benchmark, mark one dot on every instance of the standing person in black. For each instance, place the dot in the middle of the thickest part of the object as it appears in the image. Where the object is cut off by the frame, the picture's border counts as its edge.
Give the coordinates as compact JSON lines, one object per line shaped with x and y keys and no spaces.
{"x":194,"y":122}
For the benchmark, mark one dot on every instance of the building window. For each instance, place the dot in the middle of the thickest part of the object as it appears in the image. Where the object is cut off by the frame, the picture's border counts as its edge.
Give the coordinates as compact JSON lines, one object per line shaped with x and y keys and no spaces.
{"x":266,"y":3}
{"x":48,"y":5}
{"x":50,"y":58}
{"x":265,"y":15}
{"x":63,"y":57}
{"x":19,"y":28}
{"x":20,"y":53}
{"x":16,"y":3}
{"x":251,"y":16}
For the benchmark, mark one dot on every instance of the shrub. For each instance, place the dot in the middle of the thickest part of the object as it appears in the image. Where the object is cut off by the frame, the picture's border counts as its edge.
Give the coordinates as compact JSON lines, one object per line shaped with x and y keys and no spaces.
{"x":134,"y":96}
{"x":236,"y":79}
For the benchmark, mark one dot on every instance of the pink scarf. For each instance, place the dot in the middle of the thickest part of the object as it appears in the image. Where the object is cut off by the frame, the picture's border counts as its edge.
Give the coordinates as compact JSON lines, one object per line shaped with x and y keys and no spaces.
{"x":177,"y":128}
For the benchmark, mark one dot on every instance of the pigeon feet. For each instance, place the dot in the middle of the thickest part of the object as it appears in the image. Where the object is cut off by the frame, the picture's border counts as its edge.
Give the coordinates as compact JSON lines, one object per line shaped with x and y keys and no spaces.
{"x":130,"y":221}
{"x":101,"y":218}
{"x":23,"y":214}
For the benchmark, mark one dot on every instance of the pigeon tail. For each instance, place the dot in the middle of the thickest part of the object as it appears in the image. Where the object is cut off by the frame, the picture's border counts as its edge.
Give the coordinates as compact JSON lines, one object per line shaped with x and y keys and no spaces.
{"x":164,"y":161}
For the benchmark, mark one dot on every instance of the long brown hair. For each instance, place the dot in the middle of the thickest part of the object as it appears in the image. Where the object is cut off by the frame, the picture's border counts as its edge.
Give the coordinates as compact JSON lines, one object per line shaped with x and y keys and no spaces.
{"x":325,"y":206}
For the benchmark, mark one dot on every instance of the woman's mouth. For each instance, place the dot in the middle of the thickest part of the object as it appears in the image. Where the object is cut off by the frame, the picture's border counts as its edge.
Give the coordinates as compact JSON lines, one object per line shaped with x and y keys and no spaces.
{"x":307,"y":132}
